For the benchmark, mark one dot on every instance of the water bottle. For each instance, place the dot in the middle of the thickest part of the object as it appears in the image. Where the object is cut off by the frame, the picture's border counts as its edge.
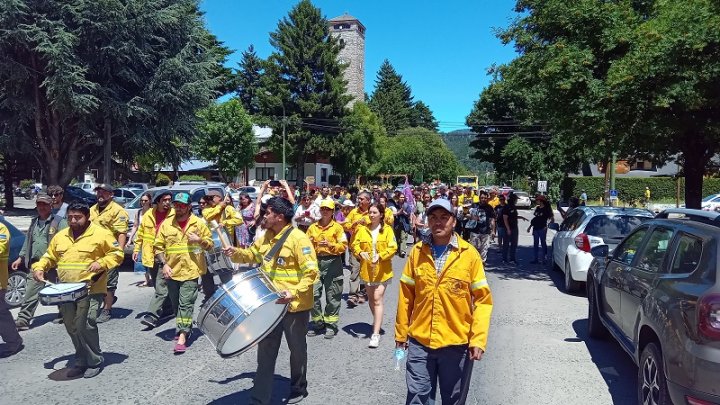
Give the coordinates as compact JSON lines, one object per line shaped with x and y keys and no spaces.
{"x":399,"y":356}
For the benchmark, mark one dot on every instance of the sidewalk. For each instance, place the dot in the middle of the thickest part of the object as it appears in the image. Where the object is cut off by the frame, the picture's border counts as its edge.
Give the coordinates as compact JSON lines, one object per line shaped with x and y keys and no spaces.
{"x":22,"y":214}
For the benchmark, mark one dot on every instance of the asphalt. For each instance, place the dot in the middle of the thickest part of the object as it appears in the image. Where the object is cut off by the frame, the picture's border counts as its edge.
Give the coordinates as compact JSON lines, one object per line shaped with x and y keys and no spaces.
{"x":538,"y":353}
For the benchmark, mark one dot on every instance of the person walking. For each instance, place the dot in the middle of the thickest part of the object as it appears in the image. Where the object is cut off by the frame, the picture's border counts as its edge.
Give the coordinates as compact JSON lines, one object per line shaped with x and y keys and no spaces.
{"x":179,"y":246}
{"x":8,"y":330}
{"x":583,"y":198}
{"x":357,"y":217}
{"x":330,"y":243}
{"x":480,"y":224}
{"x":443,"y":312}
{"x":374,"y":246}
{"x":160,"y":305}
{"x":42,"y":229}
{"x":648,"y":194}
{"x":499,"y":224}
{"x":293,"y":269}
{"x":542,"y":215}
{"x":510,"y":221}
{"x":112,"y":216}
{"x":134,"y":235}
{"x":83,"y":252}
{"x":246,"y":231}
{"x":402,"y":224}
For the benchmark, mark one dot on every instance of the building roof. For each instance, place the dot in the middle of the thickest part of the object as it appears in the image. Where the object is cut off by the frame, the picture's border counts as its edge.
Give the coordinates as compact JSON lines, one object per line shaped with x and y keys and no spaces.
{"x":344,"y":17}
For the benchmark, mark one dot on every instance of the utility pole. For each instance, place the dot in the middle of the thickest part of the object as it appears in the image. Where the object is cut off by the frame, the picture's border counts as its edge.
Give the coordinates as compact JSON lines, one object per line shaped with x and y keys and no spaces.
{"x":283,"y":147}
{"x":612,"y":178}
{"x":107,"y":170}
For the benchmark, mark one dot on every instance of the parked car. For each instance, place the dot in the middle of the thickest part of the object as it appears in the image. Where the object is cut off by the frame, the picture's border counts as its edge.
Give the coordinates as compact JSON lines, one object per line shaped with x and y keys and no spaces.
{"x":523,"y":200}
{"x":138,"y":186}
{"x":16,"y":281}
{"x":711,"y":202}
{"x":73,"y":194}
{"x":123,"y":195}
{"x":87,"y":186}
{"x":251,"y":191}
{"x":658,"y":295}
{"x":584,"y":228}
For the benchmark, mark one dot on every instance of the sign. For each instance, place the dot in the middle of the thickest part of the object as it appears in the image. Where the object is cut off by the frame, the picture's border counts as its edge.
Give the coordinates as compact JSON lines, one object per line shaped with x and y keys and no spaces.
{"x":613,"y":194}
{"x":542,"y":186}
{"x":310,"y":179}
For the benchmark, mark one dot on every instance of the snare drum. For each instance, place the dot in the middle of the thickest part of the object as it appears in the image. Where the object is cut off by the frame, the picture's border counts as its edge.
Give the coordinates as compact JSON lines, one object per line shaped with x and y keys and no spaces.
{"x":241,"y":313}
{"x":63,"y":293}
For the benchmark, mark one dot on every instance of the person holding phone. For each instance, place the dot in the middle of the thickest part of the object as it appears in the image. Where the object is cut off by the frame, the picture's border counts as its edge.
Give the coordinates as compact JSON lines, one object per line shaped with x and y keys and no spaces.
{"x":306,"y":213}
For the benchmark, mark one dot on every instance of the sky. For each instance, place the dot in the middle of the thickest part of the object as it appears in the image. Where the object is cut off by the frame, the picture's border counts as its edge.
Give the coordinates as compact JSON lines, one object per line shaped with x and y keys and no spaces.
{"x":441,"y":49}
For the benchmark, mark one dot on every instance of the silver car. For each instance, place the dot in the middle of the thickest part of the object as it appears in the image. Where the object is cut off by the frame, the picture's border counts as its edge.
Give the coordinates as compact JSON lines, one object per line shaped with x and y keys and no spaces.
{"x":523,"y":200}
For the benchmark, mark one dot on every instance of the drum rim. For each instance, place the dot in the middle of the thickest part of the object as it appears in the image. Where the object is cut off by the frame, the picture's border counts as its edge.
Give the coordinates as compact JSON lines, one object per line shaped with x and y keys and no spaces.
{"x":255,"y":341}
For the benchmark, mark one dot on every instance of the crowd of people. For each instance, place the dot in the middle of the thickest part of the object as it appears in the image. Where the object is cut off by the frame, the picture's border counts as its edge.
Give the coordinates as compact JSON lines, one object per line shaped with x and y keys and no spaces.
{"x":443,"y":313}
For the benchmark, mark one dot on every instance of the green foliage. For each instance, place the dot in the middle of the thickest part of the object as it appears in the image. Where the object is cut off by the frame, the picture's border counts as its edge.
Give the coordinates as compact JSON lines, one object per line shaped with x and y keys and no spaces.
{"x":25,"y":183}
{"x":191,"y":177}
{"x":633,"y":188}
{"x":419,"y":153}
{"x":423,"y":117}
{"x":249,"y":81}
{"x":392,"y":100}
{"x":459,"y":143}
{"x":226,"y":137}
{"x":357,"y":147}
{"x":162,"y":180}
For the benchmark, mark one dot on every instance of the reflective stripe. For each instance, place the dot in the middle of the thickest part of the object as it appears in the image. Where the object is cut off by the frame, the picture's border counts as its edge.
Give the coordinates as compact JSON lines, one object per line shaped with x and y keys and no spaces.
{"x":478,"y":285}
{"x":309,"y":266}
{"x":332,"y":318}
{"x":283,"y":276}
{"x":407,"y":280}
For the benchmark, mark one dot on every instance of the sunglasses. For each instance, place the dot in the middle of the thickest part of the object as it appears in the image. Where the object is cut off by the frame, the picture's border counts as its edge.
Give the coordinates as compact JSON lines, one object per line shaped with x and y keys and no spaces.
{"x":55,"y":194}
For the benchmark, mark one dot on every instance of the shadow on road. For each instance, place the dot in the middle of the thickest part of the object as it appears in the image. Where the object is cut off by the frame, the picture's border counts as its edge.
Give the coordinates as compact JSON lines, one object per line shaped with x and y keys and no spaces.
{"x":524,"y":270}
{"x":280,"y":389}
{"x":111,"y":358}
{"x":169,"y":334}
{"x":360,"y":330}
{"x":615,"y":366}
{"x":41,"y":320}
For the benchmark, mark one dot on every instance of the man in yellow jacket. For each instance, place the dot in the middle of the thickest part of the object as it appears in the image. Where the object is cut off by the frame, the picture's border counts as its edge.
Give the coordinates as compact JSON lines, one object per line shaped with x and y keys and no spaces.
{"x":179,"y":245}
{"x":112,"y":216}
{"x":443,"y":313}
{"x":8,"y":331}
{"x":223,"y":212}
{"x":357,"y":217}
{"x":293,"y":270}
{"x":328,"y":238}
{"x":82,"y":253}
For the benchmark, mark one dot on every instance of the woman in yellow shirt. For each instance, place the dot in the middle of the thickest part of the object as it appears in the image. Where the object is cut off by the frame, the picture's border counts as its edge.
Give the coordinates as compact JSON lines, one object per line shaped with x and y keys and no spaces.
{"x":374,"y":246}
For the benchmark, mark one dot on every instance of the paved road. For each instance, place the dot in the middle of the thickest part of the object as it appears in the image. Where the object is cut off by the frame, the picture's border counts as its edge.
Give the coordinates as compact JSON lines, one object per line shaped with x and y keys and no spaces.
{"x":538,"y":353}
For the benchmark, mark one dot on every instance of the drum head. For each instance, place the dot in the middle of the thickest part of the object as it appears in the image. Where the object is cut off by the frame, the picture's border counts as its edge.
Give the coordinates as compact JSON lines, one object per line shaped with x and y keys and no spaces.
{"x":61,"y":288}
{"x":252,"y":329}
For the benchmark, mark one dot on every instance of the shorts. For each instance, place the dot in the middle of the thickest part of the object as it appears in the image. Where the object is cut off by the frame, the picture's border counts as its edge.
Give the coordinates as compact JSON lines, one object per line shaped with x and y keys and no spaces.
{"x":376,"y":284}
{"x":112,"y":279}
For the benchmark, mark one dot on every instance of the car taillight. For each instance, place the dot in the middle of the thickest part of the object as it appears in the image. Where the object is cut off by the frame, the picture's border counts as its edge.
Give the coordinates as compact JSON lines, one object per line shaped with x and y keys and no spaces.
{"x":709,"y":312}
{"x":695,"y":401}
{"x":583,"y":242}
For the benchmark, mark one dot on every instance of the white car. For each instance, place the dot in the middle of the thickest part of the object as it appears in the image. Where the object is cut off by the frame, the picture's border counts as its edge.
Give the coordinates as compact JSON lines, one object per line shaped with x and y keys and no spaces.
{"x":523,"y":200}
{"x":584,"y":228}
{"x":711,"y":202}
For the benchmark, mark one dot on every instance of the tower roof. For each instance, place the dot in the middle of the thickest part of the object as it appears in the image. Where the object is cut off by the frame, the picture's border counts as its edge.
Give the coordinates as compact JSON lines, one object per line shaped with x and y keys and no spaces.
{"x":346,"y":17}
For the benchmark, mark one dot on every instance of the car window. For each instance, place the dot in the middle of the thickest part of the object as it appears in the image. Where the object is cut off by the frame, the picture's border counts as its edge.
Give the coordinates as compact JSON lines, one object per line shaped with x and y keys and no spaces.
{"x":625,"y":253}
{"x":614,"y":227}
{"x":197,"y":195}
{"x":655,"y":249}
{"x":687,"y":255}
{"x":572,"y":221}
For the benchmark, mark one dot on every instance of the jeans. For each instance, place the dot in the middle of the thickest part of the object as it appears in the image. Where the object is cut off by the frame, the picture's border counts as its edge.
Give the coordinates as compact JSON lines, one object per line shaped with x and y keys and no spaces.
{"x":510,"y":243}
{"x":450,"y":366}
{"x":501,"y":235}
{"x":540,"y":237}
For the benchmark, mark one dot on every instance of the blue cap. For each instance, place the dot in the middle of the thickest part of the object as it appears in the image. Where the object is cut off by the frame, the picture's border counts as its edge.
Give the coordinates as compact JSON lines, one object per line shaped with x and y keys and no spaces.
{"x":182,"y":198}
{"x":440,"y":203}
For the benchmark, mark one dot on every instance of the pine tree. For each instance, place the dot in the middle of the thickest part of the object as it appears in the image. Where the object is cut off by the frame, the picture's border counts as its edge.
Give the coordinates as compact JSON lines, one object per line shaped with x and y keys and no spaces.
{"x":249,"y":80}
{"x":423,"y":117}
{"x":392,"y":100}
{"x":306,"y":84}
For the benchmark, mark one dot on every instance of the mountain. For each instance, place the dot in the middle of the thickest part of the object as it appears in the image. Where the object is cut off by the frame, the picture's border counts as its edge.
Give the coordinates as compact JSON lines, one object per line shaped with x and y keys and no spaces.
{"x":459,"y":143}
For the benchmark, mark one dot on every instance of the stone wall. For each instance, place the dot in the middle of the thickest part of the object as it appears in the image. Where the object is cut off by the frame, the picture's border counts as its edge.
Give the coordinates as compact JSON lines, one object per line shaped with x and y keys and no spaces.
{"x":353,"y":54}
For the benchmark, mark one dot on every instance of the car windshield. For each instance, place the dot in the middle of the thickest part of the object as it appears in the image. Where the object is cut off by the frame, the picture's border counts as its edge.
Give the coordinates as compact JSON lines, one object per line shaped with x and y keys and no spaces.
{"x":613,"y":227}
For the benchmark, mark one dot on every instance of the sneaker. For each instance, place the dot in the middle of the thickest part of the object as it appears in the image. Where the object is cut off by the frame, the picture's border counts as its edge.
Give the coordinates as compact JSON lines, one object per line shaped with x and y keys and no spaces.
{"x":149,"y":321}
{"x":352,"y":302}
{"x":104,"y":316}
{"x":179,"y":348}
{"x":330,"y":333}
{"x":58,"y":320}
{"x":92,"y":372}
{"x":296,"y":398}
{"x":315,"y":329}
{"x":76,"y":372}
{"x":403,"y":254}
{"x":21,"y":325}
{"x":374,"y":341}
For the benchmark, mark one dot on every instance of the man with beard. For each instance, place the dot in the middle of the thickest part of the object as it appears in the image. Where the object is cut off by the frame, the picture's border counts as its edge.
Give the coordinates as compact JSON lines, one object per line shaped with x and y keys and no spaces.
{"x":112,"y":216}
{"x":149,"y":227}
{"x":359,"y":216}
{"x":82,"y":253}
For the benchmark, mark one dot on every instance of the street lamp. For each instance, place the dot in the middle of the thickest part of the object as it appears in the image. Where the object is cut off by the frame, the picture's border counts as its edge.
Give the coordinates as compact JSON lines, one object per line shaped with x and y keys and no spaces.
{"x":283,"y":136}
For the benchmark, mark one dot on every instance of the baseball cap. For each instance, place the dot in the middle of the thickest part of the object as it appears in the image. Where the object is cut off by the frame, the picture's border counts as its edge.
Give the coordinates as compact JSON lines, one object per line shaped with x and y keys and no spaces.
{"x":105,"y":187}
{"x":440,"y":203}
{"x":328,"y":204}
{"x":182,"y":198}
{"x":43,"y":198}
{"x":214,"y":193}
{"x":348,"y":203}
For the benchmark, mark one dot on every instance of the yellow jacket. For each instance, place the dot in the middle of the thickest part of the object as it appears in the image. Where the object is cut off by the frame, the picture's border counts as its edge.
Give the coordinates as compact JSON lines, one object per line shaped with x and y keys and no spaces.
{"x":386,"y":248}
{"x":113,"y":218}
{"x":389,"y":217}
{"x":4,"y":254}
{"x":228,"y":217}
{"x":187,"y":260}
{"x":145,"y":236}
{"x":294,"y":268}
{"x":452,"y":308}
{"x":494,"y":202}
{"x":355,"y":215}
{"x":72,"y":257}
{"x":334,"y":234}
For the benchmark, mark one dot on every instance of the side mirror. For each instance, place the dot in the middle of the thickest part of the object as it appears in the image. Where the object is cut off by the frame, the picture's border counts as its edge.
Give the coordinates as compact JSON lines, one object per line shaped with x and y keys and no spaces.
{"x":554,"y":226}
{"x":600,"y":251}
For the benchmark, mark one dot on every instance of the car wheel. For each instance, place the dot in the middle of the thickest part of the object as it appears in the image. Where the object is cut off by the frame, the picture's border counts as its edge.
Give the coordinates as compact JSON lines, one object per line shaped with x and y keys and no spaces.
{"x":17,"y":283}
{"x":596,"y":329}
{"x":652,"y":386}
{"x":571,"y":286}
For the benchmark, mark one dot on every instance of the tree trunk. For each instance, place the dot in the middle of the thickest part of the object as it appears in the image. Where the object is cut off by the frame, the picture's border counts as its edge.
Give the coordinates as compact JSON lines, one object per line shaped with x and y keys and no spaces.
{"x":107,"y":152}
{"x":694,"y":169}
{"x":301,"y":170}
{"x":8,"y":183}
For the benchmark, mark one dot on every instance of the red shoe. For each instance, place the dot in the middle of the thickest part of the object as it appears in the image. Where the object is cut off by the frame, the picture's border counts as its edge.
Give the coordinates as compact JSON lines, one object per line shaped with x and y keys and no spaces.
{"x":179,"y":348}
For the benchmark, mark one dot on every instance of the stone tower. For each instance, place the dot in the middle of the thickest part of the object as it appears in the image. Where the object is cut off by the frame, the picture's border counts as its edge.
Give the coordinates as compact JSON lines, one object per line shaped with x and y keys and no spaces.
{"x":352,"y":35}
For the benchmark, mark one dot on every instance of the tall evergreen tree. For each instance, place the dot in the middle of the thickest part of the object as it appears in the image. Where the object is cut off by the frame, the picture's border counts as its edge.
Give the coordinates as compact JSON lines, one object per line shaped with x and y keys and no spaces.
{"x":392,"y":99}
{"x":249,"y":80}
{"x":423,"y":117}
{"x":306,"y":85}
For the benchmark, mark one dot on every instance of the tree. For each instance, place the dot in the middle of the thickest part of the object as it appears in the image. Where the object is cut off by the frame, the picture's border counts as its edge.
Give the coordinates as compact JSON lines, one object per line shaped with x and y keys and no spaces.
{"x":77,"y":76}
{"x":392,"y":100}
{"x":357,"y":148}
{"x":423,"y":117}
{"x":305,"y":83}
{"x":249,"y":81}
{"x":225,"y":136}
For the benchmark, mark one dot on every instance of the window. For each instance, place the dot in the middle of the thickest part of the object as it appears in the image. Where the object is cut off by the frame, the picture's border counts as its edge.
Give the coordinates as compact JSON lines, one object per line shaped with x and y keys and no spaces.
{"x":197,"y":195}
{"x":687,"y":256}
{"x":323,"y":175}
{"x":652,"y":256}
{"x":625,"y":253}
{"x":264,"y":173}
{"x":291,"y":174}
{"x":572,"y":221}
{"x":611,"y":227}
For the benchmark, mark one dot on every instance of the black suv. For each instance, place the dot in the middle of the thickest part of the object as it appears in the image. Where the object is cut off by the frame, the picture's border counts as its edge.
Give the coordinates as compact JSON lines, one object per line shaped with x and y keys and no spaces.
{"x":657,"y":294}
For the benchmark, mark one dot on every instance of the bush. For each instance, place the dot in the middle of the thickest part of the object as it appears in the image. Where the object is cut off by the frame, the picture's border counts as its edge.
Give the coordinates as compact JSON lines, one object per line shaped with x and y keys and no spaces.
{"x":632,"y":189}
{"x":191,"y":177}
{"x":26,"y":183}
{"x":162,"y":180}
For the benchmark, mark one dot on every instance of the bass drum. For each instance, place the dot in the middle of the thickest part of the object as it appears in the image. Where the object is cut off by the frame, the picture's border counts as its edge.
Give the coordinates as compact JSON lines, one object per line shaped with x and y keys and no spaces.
{"x":241,"y":313}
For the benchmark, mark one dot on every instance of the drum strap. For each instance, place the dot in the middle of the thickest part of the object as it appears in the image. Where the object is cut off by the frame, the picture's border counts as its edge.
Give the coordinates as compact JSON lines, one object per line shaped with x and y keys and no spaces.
{"x":271,"y":255}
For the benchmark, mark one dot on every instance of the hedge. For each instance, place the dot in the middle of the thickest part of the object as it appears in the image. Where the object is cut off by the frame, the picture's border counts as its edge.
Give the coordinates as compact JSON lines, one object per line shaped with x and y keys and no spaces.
{"x":191,"y":177}
{"x":632,"y":188}
{"x":162,"y":180}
